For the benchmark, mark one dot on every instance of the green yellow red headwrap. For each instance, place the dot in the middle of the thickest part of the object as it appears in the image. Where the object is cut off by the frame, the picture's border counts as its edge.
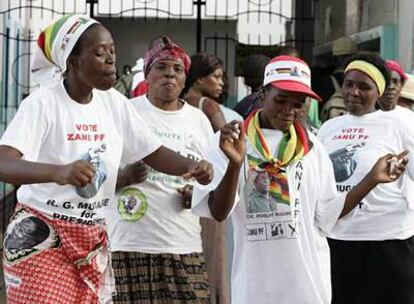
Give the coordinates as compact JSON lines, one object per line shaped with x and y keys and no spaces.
{"x":371,"y":70}
{"x":54,"y":46}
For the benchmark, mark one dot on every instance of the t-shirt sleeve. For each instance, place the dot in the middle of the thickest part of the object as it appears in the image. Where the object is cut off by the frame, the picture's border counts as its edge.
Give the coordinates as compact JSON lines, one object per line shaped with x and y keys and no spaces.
{"x":322,"y":131}
{"x":330,"y":203}
{"x":407,"y":183}
{"x":408,"y":140}
{"x":207,"y":131}
{"x":201,"y":193}
{"x":139,"y":140}
{"x":28,"y":128}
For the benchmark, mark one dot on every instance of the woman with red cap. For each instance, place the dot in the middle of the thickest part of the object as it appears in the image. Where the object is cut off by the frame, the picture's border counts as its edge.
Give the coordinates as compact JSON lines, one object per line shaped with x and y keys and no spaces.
{"x":281,"y":254}
{"x":64,"y":147}
{"x":155,"y":240}
{"x":388,"y":101}
{"x":372,"y":247}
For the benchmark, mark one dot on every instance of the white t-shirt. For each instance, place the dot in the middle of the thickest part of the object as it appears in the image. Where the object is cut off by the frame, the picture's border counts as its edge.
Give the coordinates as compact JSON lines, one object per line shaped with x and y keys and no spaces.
{"x":50,"y":127}
{"x":280,"y":252}
{"x":149,"y":216}
{"x":354,"y":144}
{"x":406,"y":113}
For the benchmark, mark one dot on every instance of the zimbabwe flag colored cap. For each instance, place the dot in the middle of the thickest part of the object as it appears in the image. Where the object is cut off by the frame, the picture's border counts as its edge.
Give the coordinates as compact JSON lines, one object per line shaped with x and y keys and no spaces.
{"x":289,"y":74}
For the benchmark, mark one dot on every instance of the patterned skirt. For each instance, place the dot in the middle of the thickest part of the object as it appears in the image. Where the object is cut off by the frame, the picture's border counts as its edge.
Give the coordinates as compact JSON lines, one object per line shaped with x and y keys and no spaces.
{"x":50,"y":261}
{"x":144,"y":278}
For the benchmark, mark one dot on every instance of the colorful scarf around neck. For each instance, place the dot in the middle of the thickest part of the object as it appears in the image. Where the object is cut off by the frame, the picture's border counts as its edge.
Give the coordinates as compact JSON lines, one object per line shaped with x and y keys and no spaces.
{"x":294,"y":145}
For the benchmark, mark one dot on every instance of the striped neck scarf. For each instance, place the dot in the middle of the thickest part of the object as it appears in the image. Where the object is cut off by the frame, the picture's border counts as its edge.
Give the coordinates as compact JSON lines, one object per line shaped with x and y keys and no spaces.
{"x":294,"y":145}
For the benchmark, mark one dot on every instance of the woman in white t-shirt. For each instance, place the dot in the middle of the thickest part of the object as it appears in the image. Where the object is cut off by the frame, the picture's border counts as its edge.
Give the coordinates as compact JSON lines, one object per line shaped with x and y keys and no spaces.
{"x":155,"y":241}
{"x":203,"y":87}
{"x":372,"y":247}
{"x":64,"y":147}
{"x":280,"y":256}
{"x":389,"y":100}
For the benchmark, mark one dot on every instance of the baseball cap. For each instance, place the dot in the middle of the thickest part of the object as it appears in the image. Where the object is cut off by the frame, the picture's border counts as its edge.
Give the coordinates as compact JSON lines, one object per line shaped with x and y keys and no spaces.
{"x":290,"y":74}
{"x":344,"y":46}
{"x":393,"y":65}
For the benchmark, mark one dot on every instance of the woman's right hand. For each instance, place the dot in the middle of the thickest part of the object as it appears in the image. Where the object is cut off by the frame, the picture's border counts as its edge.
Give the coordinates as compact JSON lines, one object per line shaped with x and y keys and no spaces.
{"x":79,"y":173}
{"x":389,"y":167}
{"x":233,"y":142}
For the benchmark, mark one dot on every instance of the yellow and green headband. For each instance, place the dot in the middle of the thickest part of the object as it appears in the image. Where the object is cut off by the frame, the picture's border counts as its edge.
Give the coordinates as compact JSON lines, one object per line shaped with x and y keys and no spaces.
{"x":371,"y":70}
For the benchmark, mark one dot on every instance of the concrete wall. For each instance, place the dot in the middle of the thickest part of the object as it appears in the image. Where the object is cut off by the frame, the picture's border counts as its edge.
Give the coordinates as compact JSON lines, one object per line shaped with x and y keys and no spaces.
{"x":405,"y":34}
{"x":377,"y":12}
{"x":329,"y":20}
{"x":334,"y":19}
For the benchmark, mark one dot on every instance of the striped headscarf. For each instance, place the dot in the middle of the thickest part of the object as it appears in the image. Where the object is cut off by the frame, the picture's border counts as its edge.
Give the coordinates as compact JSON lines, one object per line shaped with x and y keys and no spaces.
{"x":54,"y":46}
{"x":293,"y":147}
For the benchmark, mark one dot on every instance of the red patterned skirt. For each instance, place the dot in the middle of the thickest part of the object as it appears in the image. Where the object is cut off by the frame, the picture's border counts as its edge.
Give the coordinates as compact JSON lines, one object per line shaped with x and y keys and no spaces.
{"x":54,"y":261}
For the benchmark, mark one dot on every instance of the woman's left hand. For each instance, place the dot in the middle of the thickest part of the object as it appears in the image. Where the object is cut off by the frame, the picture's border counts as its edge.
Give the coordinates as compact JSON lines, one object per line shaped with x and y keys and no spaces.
{"x":389,"y":167}
{"x":201,"y":171}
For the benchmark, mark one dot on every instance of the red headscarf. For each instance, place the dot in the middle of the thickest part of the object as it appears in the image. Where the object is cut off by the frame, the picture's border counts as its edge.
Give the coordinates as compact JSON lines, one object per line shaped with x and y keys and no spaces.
{"x":165,"y":48}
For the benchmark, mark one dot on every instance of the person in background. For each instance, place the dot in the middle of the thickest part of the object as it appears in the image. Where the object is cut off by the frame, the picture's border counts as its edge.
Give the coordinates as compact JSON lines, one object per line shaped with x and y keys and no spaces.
{"x":389,"y":100}
{"x":204,"y":85}
{"x":342,"y":49}
{"x":126,"y":69}
{"x":406,"y":99}
{"x":253,"y":73}
{"x":281,"y":255}
{"x":372,"y":247}
{"x":165,"y":264}
{"x":203,"y":88}
{"x":328,"y":83}
{"x":139,"y":86}
{"x":308,"y":115}
{"x":64,"y":147}
{"x":228,"y":113}
{"x":132,"y":84}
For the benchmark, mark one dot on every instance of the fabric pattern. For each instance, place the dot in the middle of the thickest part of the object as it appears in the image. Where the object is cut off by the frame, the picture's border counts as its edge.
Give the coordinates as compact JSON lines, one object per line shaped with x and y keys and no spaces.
{"x":165,"y":48}
{"x":160,"y":278}
{"x":74,"y":268}
{"x":294,"y":145}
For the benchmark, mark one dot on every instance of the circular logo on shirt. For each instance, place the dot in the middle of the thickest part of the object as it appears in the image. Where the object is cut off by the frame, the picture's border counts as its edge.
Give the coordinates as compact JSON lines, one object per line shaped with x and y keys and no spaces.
{"x":132,"y":204}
